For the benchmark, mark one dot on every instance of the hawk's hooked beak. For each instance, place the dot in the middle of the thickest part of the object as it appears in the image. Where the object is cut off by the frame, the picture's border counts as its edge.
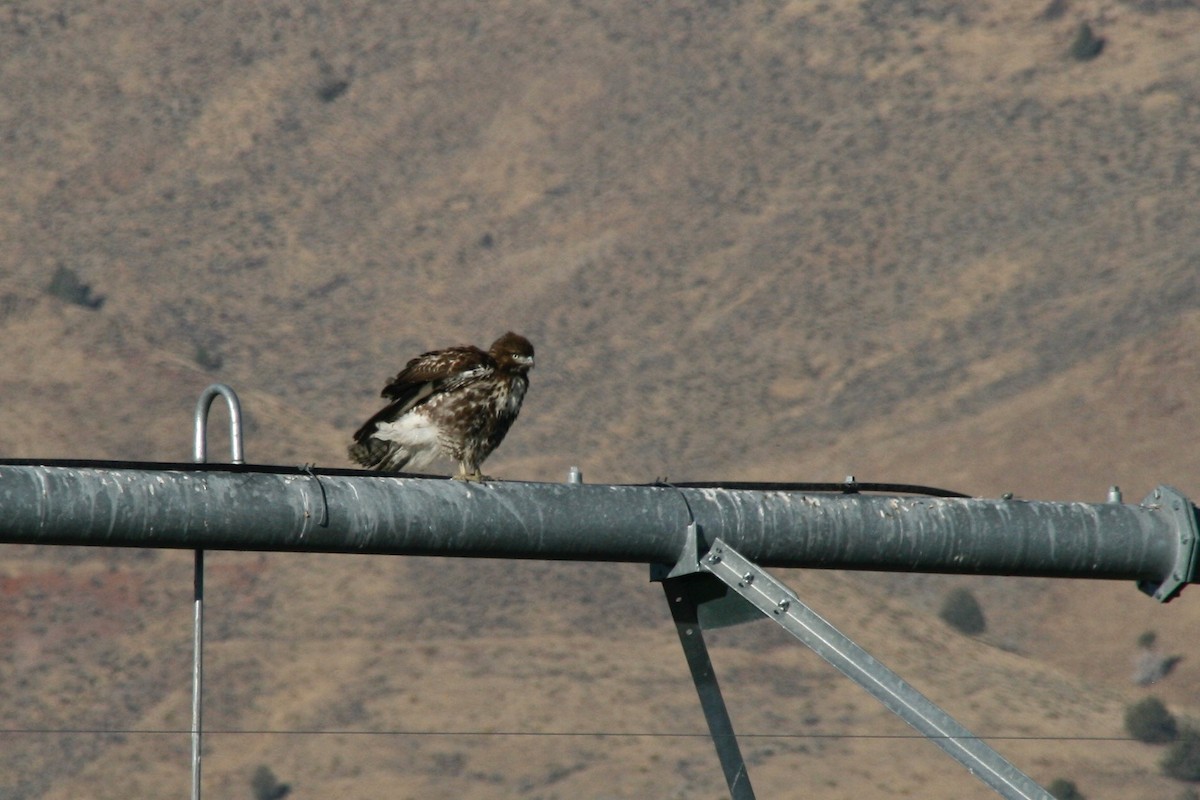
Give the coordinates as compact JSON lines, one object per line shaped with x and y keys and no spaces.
{"x":524,"y":361}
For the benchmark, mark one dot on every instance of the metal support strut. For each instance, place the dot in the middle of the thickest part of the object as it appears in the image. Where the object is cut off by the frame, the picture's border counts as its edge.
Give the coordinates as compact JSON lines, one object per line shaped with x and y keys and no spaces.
{"x":779,"y":604}
{"x":200,"y":456}
{"x":684,"y":596}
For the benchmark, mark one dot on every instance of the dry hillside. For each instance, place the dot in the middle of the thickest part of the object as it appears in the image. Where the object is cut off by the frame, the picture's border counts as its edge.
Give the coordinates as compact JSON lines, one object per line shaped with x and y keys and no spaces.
{"x":910,"y":240}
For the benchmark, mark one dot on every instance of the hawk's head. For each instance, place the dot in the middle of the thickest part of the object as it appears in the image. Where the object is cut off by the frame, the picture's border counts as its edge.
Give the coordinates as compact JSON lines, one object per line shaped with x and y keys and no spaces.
{"x":512,"y":352}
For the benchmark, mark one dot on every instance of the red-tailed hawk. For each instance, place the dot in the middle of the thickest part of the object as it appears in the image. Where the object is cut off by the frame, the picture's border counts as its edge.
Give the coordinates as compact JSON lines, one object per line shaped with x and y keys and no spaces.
{"x":456,"y":403}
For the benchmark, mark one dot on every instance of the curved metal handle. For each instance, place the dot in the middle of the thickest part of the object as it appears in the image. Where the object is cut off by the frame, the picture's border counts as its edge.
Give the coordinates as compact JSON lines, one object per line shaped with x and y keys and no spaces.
{"x":200,"y":442}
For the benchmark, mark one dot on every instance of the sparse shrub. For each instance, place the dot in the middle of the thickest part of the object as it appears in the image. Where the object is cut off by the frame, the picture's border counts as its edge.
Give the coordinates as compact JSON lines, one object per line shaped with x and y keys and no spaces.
{"x":1182,"y":759}
{"x":265,"y":785}
{"x":1063,"y":789}
{"x":66,"y":285}
{"x":331,"y":89}
{"x":1087,"y":44}
{"x":1150,"y":667}
{"x":961,"y":611}
{"x":1154,"y":6}
{"x":1149,"y":721}
{"x":208,"y":359}
{"x":1055,"y":10}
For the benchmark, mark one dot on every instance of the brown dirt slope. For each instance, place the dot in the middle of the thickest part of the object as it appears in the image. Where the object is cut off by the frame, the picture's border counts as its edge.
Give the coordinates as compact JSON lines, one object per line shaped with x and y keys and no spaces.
{"x":757,"y":240}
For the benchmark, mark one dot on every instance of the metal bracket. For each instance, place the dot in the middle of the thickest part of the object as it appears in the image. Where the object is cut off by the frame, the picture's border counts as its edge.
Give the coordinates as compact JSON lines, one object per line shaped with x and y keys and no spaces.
{"x":1183,"y":571}
{"x":779,"y":604}
{"x":716,"y":606}
{"x":689,"y":557}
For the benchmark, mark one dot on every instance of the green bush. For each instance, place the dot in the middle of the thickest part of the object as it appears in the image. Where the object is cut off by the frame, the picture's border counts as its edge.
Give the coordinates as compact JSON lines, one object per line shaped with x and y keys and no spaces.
{"x":1087,"y":44}
{"x":265,"y":785}
{"x":1055,"y":10}
{"x":1149,"y":721}
{"x":1063,"y":789}
{"x":961,"y":611}
{"x":1182,"y":759}
{"x":66,"y":285}
{"x":208,"y":359}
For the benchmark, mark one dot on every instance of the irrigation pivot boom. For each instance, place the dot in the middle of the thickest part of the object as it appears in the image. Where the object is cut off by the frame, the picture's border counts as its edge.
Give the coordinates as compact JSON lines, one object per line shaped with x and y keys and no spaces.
{"x":709,"y":546}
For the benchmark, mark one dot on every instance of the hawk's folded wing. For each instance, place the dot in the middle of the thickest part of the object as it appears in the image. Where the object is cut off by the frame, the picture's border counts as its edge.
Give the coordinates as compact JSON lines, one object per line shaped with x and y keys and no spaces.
{"x":427,"y":375}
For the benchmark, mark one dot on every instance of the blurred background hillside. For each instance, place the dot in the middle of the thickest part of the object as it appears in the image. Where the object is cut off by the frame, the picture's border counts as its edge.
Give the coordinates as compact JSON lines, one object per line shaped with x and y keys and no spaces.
{"x":948,"y":243}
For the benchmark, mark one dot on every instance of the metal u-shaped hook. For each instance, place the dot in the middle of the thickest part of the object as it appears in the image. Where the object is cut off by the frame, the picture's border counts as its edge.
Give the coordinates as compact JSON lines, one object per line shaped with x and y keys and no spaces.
{"x":200,"y":442}
{"x":200,"y":456}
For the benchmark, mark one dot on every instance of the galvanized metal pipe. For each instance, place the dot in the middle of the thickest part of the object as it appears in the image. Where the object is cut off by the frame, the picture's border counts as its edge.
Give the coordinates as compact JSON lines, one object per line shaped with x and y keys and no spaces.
{"x":266,"y":508}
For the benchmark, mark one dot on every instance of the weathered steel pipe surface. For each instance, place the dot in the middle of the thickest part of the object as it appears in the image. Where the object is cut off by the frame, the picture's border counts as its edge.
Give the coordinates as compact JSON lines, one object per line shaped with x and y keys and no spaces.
{"x":272,"y":508}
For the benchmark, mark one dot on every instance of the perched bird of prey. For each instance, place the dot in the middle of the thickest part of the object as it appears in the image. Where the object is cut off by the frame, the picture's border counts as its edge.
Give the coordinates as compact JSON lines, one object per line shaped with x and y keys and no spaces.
{"x":456,"y":403}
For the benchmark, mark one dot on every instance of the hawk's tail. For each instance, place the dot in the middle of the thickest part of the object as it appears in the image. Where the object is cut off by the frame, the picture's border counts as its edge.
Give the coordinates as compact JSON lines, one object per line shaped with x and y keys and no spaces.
{"x":375,"y":453}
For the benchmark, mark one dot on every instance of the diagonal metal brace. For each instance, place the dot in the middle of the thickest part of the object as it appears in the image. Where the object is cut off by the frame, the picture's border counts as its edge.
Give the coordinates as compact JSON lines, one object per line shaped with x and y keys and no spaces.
{"x":780,"y":604}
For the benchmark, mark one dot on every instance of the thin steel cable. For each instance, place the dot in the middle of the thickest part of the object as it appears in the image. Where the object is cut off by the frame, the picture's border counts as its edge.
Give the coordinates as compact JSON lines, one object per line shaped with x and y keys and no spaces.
{"x":548,"y":734}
